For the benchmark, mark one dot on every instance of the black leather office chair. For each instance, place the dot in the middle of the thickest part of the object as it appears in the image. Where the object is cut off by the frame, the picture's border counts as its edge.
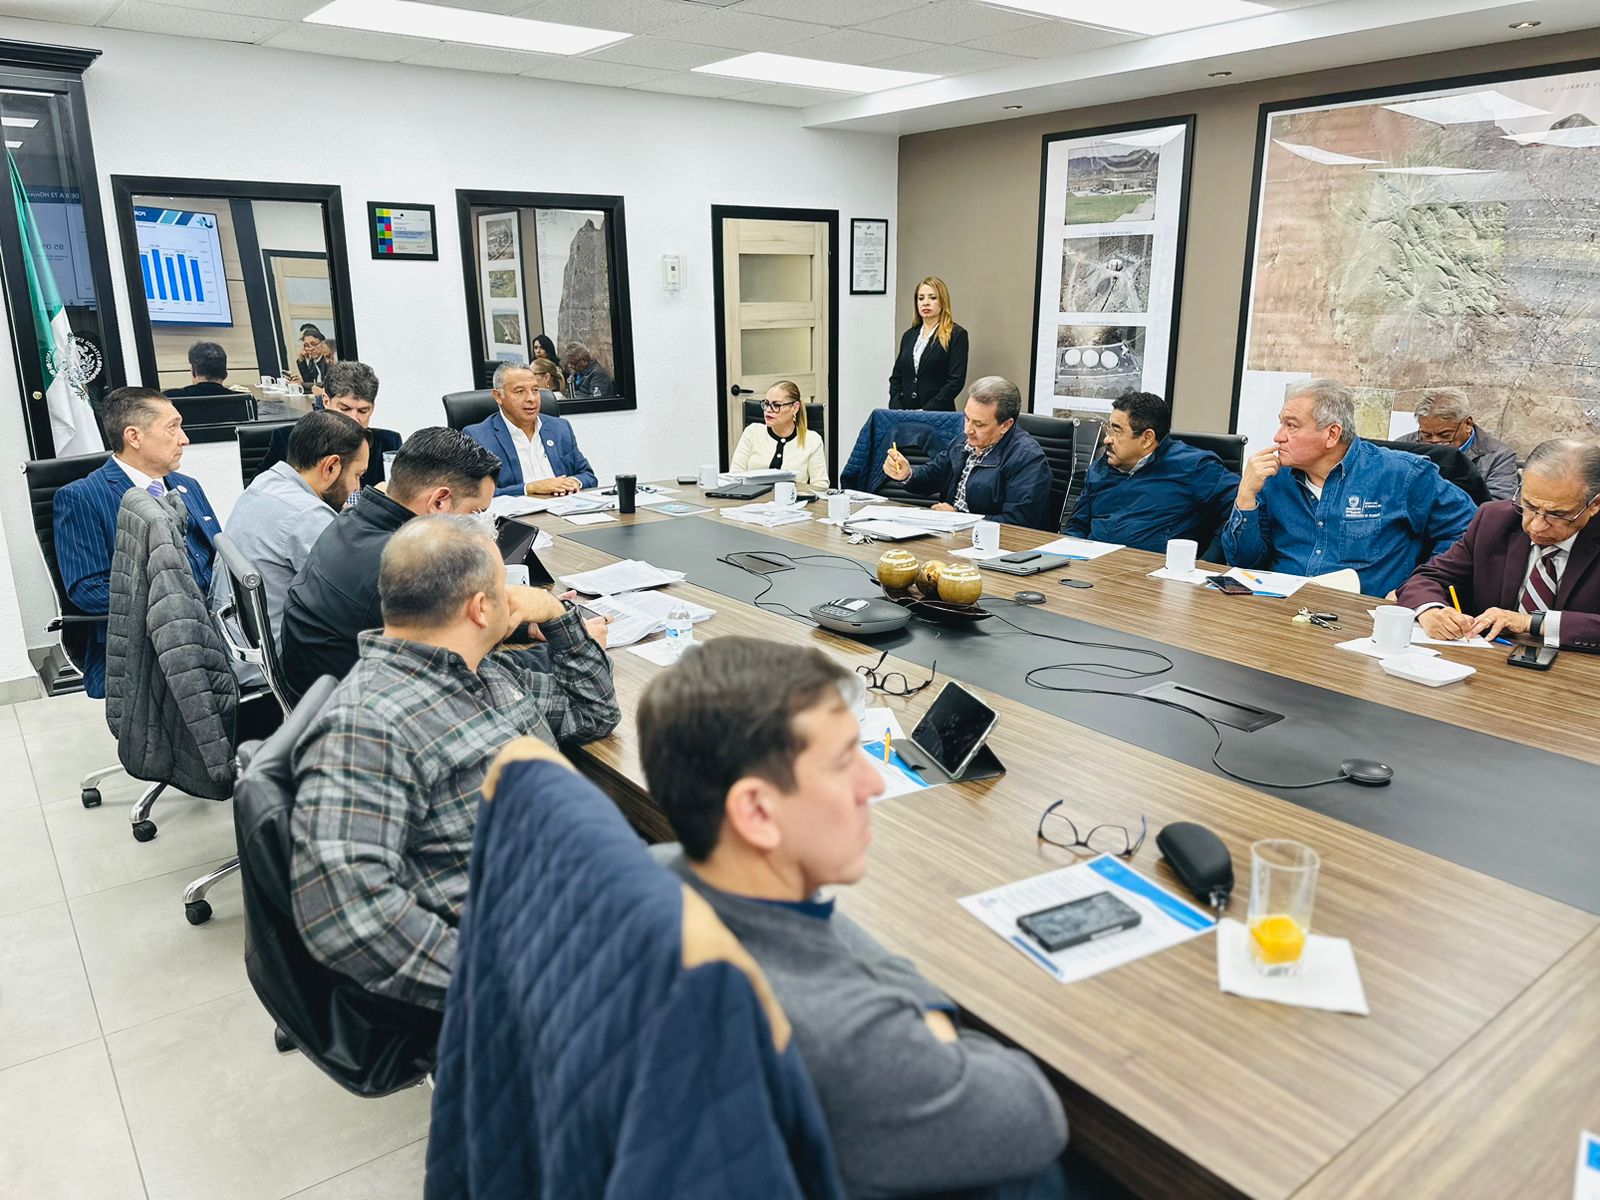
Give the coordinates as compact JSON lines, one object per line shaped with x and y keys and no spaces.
{"x":368,"y":1044}
{"x":47,"y":476}
{"x":1453,"y":465}
{"x":201,"y":411}
{"x":253,"y":443}
{"x":918,"y":443}
{"x":816,"y":417}
{"x":468,"y":408}
{"x":1058,"y":438}
{"x":1229,"y":447}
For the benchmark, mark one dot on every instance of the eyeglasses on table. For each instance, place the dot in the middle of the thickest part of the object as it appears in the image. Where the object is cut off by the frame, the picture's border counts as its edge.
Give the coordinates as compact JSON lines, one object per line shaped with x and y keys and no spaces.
{"x":1100,"y":839}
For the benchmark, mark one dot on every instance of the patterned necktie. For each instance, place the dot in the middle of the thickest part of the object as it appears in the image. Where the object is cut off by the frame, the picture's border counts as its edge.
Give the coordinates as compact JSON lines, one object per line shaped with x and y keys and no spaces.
{"x":156,"y":488}
{"x":1539,"y":593}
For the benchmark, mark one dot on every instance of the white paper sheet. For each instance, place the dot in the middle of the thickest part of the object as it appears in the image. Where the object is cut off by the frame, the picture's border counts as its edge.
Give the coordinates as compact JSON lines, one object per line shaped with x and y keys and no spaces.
{"x":662,"y":653}
{"x":898,"y":777}
{"x":875,"y":720}
{"x":975,"y":555}
{"x":889,"y":531}
{"x":584,"y":502}
{"x":1197,"y":575}
{"x":1370,"y":648}
{"x":1328,"y":978}
{"x":1278,"y":584}
{"x":628,"y":575}
{"x":1419,"y":638}
{"x":942,"y":522}
{"x":594,"y":518}
{"x":515,"y":506}
{"x":628,"y":624}
{"x":769,"y":515}
{"x":659,"y":604}
{"x":1079,"y":548}
{"x":1586,"y":1184}
{"x":1167,"y":920}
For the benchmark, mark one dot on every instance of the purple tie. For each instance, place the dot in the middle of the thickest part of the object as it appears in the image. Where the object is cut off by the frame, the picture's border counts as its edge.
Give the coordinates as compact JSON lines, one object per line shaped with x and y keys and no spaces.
{"x":157,"y":488}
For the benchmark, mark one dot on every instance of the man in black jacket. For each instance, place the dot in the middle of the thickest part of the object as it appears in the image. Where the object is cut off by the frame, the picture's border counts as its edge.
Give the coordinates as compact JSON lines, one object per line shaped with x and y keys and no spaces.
{"x":335,"y":595}
{"x":208,"y":365}
{"x":353,"y":391}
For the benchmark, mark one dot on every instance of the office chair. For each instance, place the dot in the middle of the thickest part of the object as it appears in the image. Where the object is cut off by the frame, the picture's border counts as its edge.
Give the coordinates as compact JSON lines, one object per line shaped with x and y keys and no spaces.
{"x":254,"y":441}
{"x":1229,"y":447}
{"x":199,"y":412}
{"x":1058,"y":438}
{"x":816,"y":416}
{"x":468,"y":408}
{"x":1455,"y":466}
{"x":45,"y":477}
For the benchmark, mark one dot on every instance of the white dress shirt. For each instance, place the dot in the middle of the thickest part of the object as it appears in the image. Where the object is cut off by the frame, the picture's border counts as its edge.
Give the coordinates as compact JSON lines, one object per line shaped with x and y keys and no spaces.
{"x":1552,"y":619}
{"x":139,"y":477}
{"x":922,"y":344}
{"x":530,"y":452}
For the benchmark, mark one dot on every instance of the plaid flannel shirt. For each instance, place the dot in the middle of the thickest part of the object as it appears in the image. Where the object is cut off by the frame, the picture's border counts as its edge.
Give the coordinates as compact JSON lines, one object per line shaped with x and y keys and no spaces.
{"x":388,"y":781}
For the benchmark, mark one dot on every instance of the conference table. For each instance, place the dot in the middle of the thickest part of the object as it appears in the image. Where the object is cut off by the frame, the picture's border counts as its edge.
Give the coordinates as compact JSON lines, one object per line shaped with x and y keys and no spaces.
{"x":1469,"y":888}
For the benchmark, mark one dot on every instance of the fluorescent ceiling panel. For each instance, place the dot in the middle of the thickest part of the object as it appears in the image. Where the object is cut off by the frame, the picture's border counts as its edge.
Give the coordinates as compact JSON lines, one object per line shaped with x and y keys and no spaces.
{"x":1464,"y":110}
{"x":1141,"y":16}
{"x":1579,"y":136}
{"x":463,"y":25}
{"x":812,"y":73}
{"x":1326,"y":157}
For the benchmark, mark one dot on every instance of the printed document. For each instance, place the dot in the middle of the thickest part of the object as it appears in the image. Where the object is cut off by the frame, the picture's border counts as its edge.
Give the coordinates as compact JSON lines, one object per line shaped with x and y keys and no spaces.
{"x":1079,"y":548}
{"x":628,"y":575}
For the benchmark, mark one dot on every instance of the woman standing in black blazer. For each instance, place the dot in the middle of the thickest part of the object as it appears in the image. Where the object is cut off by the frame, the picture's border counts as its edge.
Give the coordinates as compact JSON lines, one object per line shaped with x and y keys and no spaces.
{"x":931,"y":368}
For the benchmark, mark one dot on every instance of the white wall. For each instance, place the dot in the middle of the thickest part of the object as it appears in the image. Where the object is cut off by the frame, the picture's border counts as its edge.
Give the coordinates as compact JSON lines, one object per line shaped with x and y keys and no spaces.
{"x":415,"y":134}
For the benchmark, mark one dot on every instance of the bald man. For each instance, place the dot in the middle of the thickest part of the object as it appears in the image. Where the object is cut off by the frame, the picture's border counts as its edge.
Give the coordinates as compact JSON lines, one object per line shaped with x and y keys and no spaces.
{"x":389,"y":776}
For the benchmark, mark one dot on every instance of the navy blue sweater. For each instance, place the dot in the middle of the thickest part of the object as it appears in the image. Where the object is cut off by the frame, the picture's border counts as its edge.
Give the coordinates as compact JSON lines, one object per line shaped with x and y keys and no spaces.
{"x":1181,"y":492}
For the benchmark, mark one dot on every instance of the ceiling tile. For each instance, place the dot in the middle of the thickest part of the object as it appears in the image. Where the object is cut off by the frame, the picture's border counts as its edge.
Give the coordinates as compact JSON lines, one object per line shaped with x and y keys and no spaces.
{"x":1053,"y":39}
{"x":659,"y":52}
{"x":501,"y":8}
{"x":741,"y":31}
{"x":952,"y":21}
{"x":949,"y":60}
{"x":479,"y":58}
{"x":831,"y":12}
{"x":854,"y":46}
{"x":70,"y":12}
{"x":790,"y":97}
{"x":348,"y":43}
{"x":277,"y":10}
{"x":186,"y":22}
{"x":685,"y":83}
{"x":629,"y":16}
{"x":592,"y":70}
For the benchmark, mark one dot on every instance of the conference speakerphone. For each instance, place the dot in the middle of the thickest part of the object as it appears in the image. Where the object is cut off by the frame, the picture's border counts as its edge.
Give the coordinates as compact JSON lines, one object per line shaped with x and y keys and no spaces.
{"x":861,"y":616}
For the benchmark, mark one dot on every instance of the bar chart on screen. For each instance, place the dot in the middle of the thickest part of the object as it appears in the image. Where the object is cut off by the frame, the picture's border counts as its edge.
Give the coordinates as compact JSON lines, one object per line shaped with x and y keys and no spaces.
{"x":180,"y":259}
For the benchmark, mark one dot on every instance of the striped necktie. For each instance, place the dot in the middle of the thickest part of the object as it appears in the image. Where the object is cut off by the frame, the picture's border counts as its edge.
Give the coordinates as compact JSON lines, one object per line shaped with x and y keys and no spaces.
{"x":156,"y":488}
{"x":1539,"y":593}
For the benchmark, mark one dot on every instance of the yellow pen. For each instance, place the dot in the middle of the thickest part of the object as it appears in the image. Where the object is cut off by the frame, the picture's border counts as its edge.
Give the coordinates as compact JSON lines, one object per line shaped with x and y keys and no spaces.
{"x":887,"y":739}
{"x":1249,"y":578}
{"x":1454,"y":599}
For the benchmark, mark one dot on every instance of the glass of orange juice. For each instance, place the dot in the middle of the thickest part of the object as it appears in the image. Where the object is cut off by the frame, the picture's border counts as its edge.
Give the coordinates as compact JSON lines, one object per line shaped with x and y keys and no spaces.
{"x":1283,"y":885}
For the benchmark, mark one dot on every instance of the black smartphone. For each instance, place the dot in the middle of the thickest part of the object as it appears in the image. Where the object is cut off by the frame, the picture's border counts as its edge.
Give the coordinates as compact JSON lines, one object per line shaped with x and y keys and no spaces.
{"x":1230,"y":586}
{"x":1535,"y":658}
{"x":1021,"y":556}
{"x":1078,"y":921}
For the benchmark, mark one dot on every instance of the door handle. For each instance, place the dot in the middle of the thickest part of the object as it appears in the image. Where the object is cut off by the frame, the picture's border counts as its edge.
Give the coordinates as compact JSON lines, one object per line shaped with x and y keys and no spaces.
{"x":734,"y":390}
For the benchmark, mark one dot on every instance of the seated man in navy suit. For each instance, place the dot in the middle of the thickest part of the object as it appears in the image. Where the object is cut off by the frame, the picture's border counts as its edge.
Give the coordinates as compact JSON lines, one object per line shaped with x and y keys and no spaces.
{"x":538,"y":454}
{"x":353,"y":391}
{"x":147,"y":441}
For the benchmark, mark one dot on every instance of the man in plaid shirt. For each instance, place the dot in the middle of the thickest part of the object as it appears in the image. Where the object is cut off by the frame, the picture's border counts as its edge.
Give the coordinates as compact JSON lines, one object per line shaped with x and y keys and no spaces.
{"x":389,"y":775}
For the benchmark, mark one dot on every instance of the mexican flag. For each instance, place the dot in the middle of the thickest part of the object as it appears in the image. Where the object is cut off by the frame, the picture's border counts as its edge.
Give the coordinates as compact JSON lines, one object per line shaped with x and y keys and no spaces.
{"x":73,"y":425}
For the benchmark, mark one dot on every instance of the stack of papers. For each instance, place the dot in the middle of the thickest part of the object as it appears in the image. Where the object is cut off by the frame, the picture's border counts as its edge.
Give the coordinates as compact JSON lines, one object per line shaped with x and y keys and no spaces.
{"x":1082,"y":549}
{"x":888,"y":531}
{"x":637,"y":615}
{"x":516,"y":506}
{"x":768,"y":516}
{"x":762,"y":476}
{"x":898,"y":777}
{"x":925,"y":518}
{"x":583,"y":502}
{"x":629,"y":575}
{"x":1278,"y":585}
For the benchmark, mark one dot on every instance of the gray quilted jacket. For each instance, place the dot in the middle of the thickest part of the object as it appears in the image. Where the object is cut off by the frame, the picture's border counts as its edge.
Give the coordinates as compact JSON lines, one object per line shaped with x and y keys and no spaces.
{"x":171,"y":697}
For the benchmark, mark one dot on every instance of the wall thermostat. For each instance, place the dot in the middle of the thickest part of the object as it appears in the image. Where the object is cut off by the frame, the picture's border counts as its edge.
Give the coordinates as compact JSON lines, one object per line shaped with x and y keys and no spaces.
{"x":672,"y":272}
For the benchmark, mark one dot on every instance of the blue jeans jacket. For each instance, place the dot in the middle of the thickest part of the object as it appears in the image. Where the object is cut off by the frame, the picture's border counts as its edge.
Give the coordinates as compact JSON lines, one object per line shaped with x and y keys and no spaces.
{"x":1382,"y":512}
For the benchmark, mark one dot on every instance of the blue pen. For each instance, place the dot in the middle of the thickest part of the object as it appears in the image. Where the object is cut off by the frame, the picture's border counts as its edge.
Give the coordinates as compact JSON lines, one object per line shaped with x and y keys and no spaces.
{"x":1504,"y":642}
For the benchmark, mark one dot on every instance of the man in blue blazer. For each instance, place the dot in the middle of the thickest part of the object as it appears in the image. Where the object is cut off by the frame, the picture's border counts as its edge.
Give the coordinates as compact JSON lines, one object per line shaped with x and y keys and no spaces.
{"x":147,"y":440}
{"x":539,"y":455}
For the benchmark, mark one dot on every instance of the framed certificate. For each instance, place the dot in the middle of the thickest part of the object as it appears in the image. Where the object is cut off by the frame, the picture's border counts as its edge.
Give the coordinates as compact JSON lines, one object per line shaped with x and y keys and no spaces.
{"x":869,"y":256}
{"x":402,"y":231}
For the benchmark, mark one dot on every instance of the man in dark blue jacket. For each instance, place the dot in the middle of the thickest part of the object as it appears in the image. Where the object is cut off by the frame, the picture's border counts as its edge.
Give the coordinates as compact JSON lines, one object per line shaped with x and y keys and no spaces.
{"x":1148,"y":488}
{"x":993,"y":468}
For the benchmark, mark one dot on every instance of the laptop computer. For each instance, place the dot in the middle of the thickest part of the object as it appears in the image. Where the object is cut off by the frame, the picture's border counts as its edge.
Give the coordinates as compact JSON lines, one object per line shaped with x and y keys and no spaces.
{"x":747,"y":490}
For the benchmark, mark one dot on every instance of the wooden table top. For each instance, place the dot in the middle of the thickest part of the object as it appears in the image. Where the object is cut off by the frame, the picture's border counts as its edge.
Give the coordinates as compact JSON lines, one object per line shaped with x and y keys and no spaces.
{"x":1175,"y":1087}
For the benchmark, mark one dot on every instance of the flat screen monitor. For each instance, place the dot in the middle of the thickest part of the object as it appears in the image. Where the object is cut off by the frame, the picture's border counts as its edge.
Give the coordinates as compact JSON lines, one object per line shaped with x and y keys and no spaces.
{"x":180,"y":258}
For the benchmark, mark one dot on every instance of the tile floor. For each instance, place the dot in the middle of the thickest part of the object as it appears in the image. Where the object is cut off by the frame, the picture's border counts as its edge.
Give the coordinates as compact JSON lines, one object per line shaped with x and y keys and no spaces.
{"x":135,"y":1060}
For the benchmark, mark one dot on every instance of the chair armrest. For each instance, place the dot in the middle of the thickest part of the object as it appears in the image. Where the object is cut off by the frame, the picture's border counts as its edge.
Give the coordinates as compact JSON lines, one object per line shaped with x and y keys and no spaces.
{"x":56,"y":623}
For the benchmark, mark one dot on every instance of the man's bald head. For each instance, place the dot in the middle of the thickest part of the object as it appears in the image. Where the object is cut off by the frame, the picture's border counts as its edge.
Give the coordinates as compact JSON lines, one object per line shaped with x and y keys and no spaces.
{"x":432,"y":567}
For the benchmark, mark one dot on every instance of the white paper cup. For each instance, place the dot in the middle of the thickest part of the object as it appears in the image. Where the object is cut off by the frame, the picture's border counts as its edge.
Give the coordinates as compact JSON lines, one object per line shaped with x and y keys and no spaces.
{"x":839,"y":507}
{"x":784,"y":491}
{"x":1181,"y":553}
{"x":708,"y":477}
{"x":986,"y":536}
{"x":1391,"y":628}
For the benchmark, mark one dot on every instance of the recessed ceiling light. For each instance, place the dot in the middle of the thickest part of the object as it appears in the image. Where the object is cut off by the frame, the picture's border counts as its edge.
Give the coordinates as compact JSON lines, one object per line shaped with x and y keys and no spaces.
{"x":1218,"y":74}
{"x":1142,"y":16}
{"x":19,"y":122}
{"x":812,"y":73}
{"x":1527,"y":24}
{"x":463,"y":25}
{"x":1012,"y":107}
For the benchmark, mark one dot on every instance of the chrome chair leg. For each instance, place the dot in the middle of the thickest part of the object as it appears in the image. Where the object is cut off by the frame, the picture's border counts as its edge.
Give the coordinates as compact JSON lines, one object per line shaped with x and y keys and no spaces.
{"x":195,"y":906}
{"x":88,"y":792}
{"x":139,"y":815}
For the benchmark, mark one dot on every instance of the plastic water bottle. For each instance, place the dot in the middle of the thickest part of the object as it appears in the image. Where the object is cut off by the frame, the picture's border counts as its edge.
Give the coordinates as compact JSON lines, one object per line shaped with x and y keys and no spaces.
{"x":680,"y":628}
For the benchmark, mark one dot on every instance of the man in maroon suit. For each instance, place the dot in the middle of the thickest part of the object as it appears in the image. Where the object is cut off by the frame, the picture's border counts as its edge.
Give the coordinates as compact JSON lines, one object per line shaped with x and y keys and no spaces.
{"x":1530,"y":565}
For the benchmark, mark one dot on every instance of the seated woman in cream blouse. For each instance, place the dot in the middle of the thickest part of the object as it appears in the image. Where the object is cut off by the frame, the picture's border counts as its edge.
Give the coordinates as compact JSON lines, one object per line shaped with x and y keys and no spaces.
{"x":782,"y":442}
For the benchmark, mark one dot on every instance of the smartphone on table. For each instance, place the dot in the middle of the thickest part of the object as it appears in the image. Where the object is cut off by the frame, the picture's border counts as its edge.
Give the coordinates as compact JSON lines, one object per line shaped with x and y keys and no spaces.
{"x":1078,"y":921}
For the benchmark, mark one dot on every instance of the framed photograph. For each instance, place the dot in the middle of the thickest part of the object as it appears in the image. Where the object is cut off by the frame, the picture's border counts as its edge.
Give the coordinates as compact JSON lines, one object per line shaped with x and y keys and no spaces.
{"x":869,"y":256}
{"x":1113,"y":216}
{"x":402,"y":231}
{"x":1425,"y":236}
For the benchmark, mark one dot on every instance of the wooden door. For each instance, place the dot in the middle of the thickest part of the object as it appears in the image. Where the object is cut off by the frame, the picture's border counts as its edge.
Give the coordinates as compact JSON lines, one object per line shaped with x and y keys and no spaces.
{"x":302,"y":296}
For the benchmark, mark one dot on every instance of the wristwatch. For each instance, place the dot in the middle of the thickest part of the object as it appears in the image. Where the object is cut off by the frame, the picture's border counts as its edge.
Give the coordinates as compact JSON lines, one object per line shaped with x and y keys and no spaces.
{"x":1536,"y":624}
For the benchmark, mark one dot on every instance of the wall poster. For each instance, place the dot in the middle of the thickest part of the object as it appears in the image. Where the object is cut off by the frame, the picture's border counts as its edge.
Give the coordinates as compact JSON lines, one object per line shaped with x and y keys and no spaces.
{"x":1438,"y":235}
{"x":1113,"y":210}
{"x":505,"y":329}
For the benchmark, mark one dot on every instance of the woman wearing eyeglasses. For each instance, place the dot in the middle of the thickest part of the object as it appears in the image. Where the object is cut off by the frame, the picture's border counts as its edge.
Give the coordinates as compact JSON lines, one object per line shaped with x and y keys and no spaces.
{"x":931,"y":368}
{"x":782,"y":442}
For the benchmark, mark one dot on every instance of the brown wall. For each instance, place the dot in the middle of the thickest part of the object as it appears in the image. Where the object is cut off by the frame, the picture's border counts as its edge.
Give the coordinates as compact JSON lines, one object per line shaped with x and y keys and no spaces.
{"x":969,"y":212}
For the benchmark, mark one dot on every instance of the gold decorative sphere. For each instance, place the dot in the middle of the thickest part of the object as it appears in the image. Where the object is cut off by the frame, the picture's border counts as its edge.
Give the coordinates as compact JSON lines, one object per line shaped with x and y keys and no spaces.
{"x":896,"y":569}
{"x":928,"y":576}
{"x":960,"y":583}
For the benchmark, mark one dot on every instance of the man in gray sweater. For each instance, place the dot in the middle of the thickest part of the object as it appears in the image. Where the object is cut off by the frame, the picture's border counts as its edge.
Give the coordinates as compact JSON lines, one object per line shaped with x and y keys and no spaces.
{"x":753,"y":753}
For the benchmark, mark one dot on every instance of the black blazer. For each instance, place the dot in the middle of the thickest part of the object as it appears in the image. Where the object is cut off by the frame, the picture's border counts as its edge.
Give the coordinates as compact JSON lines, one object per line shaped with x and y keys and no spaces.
{"x":937,"y":380}
{"x":313,"y":371}
{"x":378,"y":442}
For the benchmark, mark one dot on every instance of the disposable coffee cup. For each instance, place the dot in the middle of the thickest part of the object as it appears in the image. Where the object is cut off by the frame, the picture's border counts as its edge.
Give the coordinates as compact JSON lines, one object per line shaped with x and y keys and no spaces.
{"x":1391,"y":628}
{"x":839,"y":507}
{"x":784,"y":491}
{"x":986,"y":536}
{"x":1181,"y":554}
{"x":627,"y":486}
{"x":708,"y":477}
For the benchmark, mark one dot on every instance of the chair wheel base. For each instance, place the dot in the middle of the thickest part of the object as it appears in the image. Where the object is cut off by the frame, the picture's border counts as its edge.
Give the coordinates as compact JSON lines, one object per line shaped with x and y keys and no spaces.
{"x":198,"y":911}
{"x":143,"y":831}
{"x":280,"y":1039}
{"x":90,"y":797}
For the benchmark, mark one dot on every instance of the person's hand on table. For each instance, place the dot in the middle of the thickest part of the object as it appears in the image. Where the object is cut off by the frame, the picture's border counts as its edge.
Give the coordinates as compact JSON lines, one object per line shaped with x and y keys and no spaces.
{"x":1494,"y":621}
{"x":896,"y":466}
{"x":1446,"y":624}
{"x":561,"y":485}
{"x":1258,"y":468}
{"x":944,"y":508}
{"x":598,"y":628}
